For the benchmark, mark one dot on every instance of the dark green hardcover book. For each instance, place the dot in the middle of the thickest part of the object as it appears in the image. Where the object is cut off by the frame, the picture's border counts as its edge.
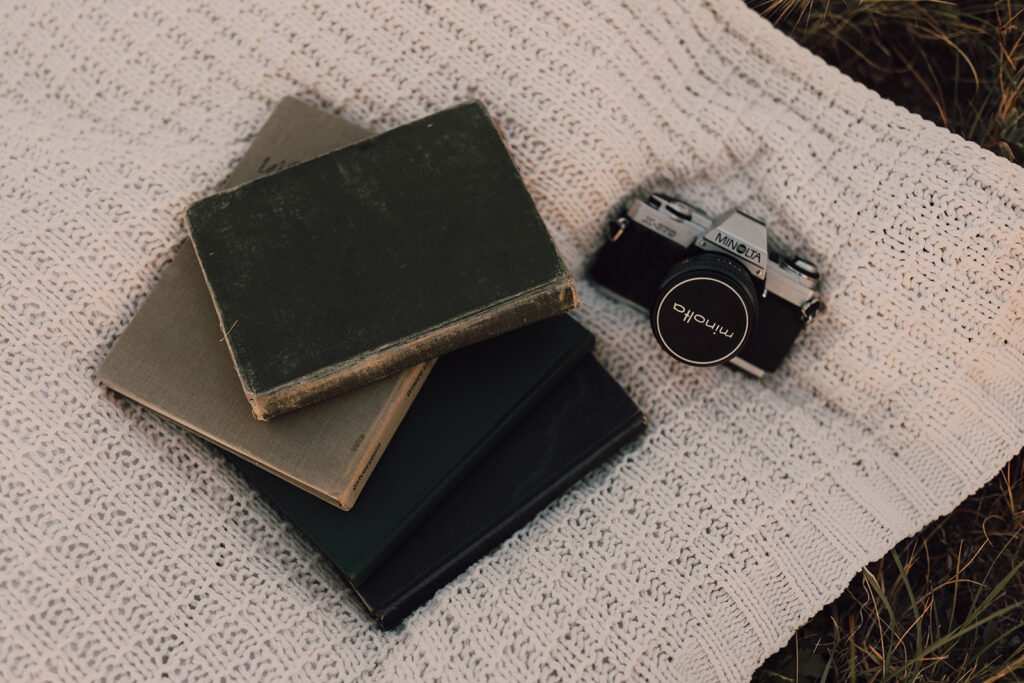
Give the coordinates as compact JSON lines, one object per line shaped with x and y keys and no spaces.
{"x":472,"y":398}
{"x":585,"y":418}
{"x":347,"y":268}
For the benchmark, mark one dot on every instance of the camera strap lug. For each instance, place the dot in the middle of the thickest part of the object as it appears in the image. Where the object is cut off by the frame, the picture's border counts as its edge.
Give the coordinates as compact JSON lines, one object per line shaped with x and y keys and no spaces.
{"x":809,"y":310}
{"x":616,"y":228}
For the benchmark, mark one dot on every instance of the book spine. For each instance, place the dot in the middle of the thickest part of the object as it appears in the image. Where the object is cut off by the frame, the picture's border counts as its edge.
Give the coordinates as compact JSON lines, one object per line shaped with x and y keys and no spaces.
{"x":546,"y":301}
{"x":348,"y":488}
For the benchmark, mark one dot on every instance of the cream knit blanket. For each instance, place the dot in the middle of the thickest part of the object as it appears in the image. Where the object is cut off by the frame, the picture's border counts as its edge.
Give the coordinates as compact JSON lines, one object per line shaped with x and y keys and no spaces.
{"x":128,"y":547}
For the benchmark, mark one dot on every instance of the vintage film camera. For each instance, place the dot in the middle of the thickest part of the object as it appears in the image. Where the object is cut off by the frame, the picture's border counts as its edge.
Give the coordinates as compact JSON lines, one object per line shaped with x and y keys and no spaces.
{"x":714,"y":292}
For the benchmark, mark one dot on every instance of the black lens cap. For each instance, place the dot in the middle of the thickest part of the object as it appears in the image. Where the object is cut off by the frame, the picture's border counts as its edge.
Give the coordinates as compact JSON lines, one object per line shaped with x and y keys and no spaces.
{"x":706,"y":309}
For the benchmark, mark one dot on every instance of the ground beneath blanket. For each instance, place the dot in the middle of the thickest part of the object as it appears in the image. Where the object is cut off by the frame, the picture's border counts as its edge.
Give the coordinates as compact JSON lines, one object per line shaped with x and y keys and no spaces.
{"x":949,"y":601}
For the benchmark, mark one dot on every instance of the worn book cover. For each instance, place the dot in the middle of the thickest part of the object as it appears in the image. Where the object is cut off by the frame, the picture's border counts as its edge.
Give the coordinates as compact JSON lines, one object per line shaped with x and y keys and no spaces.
{"x":472,"y":399}
{"x":397,"y":249}
{"x":172,"y":357}
{"x":584,"y":419}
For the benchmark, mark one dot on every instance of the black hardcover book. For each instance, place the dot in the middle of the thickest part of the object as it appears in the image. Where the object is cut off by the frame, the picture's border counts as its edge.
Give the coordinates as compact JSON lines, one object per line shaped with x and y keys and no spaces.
{"x":389,"y":252}
{"x":470,"y":401}
{"x":585,"y":418}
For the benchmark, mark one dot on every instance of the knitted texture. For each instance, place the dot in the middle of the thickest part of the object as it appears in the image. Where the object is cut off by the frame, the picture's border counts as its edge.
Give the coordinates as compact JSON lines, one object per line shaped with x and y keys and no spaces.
{"x":128,"y":547}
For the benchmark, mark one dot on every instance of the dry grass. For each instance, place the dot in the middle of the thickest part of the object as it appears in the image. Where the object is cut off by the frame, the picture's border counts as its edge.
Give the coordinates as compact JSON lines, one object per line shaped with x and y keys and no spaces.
{"x":944,"y":605}
{"x":960,"y":64}
{"x":948,"y":603}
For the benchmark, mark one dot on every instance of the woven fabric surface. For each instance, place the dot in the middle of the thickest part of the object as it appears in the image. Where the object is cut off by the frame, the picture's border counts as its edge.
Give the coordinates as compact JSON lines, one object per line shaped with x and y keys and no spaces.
{"x":130,"y":548}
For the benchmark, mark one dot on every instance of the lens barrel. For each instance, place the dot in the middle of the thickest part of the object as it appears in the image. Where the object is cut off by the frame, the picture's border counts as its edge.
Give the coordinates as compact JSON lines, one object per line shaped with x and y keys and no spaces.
{"x":706,"y":309}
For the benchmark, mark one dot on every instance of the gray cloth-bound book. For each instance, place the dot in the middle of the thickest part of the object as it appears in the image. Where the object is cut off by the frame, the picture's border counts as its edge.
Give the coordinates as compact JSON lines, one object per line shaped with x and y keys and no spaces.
{"x":172,"y":357}
{"x":377,"y":256}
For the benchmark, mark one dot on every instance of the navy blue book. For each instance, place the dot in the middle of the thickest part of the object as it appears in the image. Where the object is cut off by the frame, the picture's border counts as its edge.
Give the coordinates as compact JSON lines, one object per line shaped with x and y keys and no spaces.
{"x":470,"y":401}
{"x":584,"y":419}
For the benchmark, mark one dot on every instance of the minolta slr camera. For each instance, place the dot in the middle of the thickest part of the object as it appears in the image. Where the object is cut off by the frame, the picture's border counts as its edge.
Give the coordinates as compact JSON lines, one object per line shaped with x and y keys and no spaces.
{"x":714,"y":292}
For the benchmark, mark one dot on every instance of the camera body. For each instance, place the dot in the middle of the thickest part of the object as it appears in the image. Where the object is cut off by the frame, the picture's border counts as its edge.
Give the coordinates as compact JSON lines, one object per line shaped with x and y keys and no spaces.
{"x":714,"y":292}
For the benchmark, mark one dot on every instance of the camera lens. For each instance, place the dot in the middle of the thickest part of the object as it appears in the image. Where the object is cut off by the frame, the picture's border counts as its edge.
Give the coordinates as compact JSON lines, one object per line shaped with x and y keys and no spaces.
{"x":706,"y":309}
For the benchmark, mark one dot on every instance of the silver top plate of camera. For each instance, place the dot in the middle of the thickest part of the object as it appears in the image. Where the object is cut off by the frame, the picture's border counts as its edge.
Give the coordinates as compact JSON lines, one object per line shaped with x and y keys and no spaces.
{"x":735,"y":234}
{"x":740,"y":236}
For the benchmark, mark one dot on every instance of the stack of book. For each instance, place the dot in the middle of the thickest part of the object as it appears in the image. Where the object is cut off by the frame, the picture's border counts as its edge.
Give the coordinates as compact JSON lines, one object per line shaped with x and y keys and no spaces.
{"x":374,"y":329}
